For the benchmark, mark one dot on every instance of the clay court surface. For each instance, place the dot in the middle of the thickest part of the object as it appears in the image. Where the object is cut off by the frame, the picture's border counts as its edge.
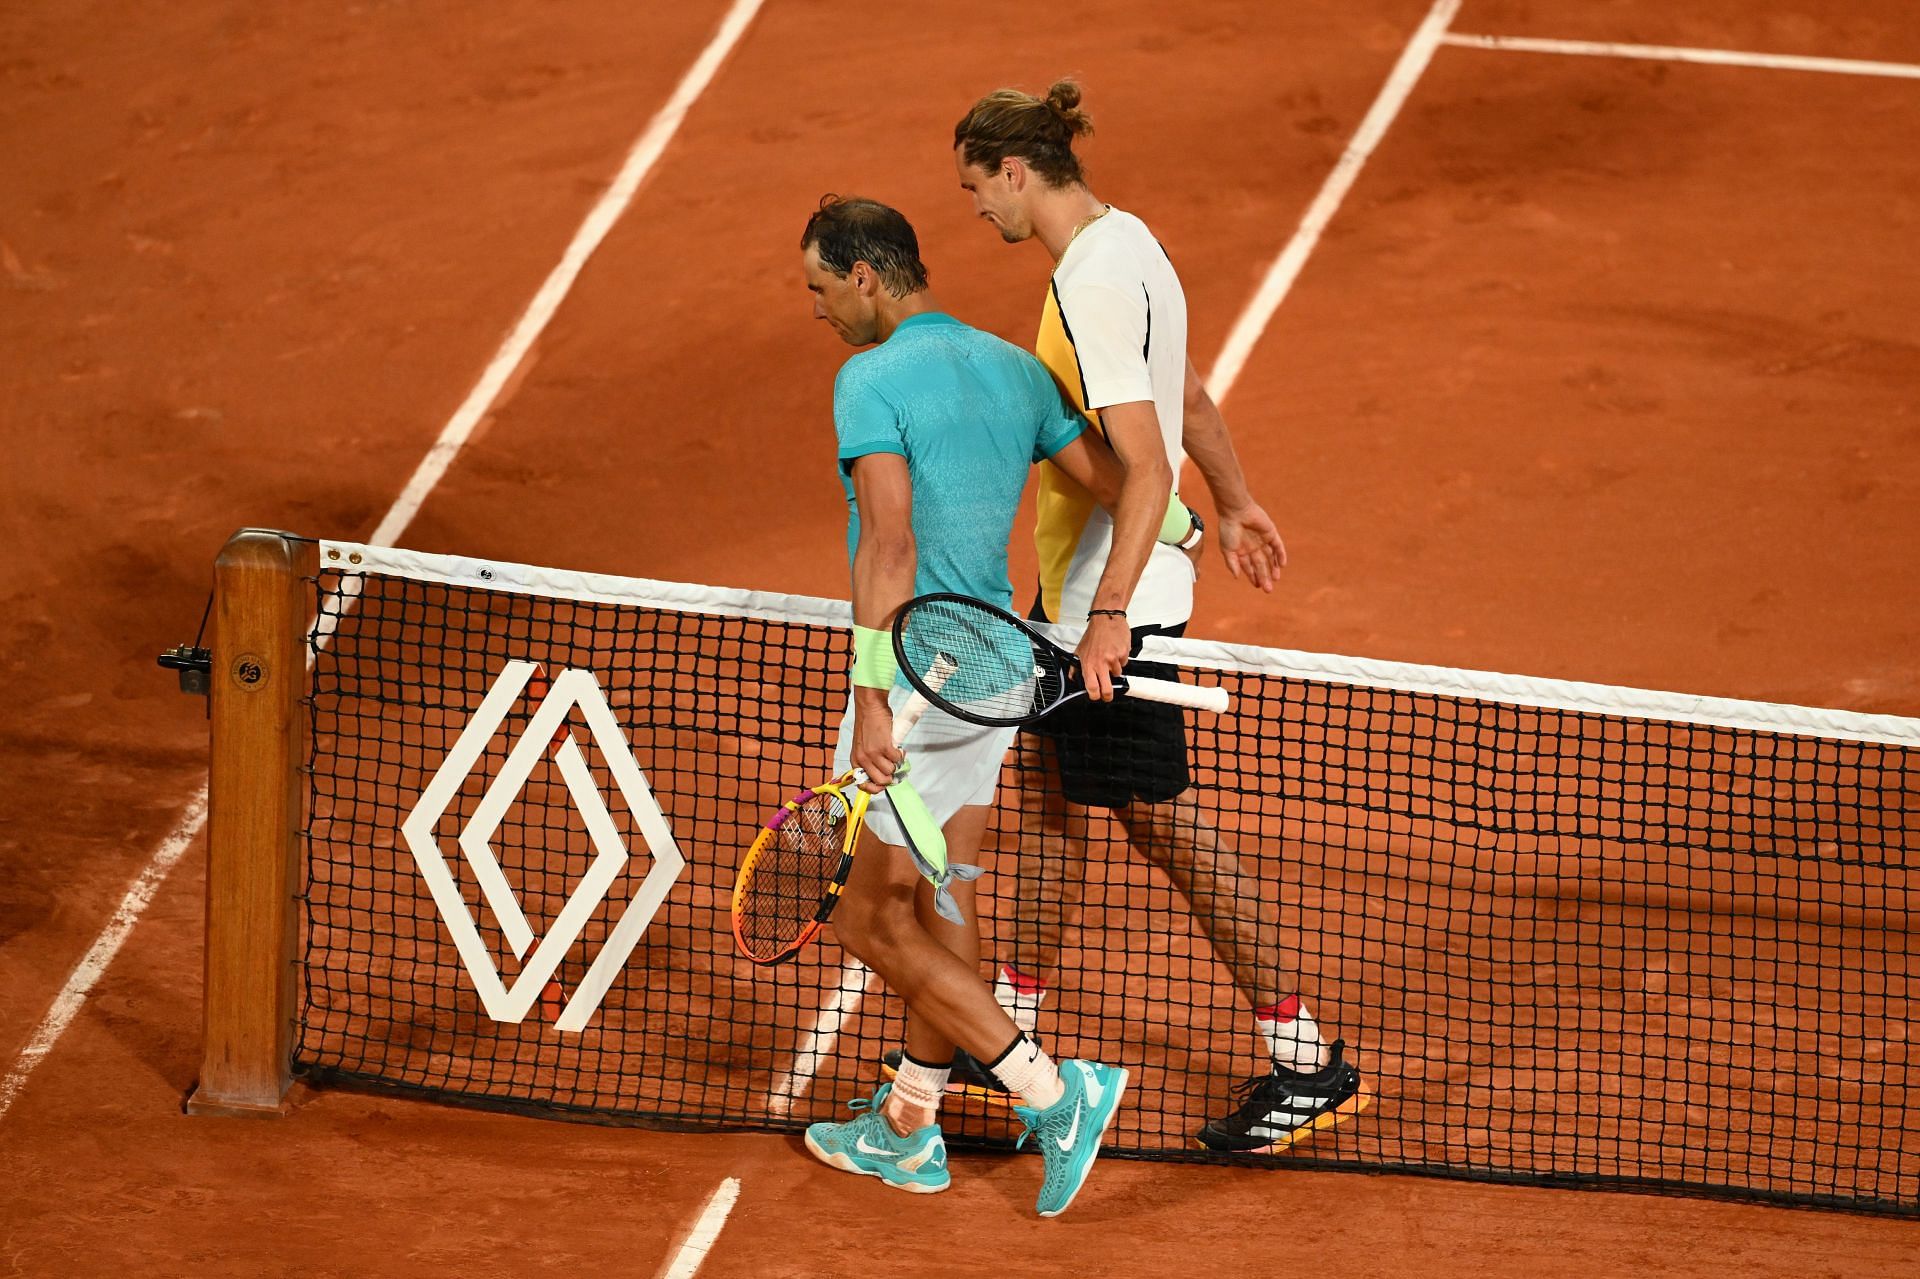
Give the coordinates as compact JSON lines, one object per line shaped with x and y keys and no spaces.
{"x":1604,"y":369}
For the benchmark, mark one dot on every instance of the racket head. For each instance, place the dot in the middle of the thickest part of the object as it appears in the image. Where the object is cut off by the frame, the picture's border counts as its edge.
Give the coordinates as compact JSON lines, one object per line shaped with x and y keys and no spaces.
{"x":978,"y":662}
{"x":793,"y":872}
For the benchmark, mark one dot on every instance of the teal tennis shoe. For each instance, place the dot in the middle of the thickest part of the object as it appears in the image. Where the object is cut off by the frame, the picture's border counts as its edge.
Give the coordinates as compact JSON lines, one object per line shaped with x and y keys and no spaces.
{"x":868,"y":1145}
{"x":1069,"y":1131}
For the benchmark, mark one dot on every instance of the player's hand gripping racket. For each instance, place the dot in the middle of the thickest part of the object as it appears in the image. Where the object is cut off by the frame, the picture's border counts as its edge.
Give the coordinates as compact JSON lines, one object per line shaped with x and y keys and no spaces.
{"x":996,"y":670}
{"x":794,"y":871}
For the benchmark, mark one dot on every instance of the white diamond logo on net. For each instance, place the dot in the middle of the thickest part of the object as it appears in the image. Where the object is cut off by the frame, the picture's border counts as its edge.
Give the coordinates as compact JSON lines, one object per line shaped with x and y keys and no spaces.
{"x":547,"y":732}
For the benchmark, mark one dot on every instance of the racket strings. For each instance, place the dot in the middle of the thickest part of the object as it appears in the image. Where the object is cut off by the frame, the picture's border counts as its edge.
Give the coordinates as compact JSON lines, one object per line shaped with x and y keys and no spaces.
{"x":790,"y":875}
{"x":999,"y":673}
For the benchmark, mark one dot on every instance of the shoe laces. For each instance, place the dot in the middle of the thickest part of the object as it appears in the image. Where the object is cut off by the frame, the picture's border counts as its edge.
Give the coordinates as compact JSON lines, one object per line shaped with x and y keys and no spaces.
{"x":1259,"y":1090}
{"x":1281,"y":1080}
{"x":872,"y":1103}
{"x":1029,"y":1117}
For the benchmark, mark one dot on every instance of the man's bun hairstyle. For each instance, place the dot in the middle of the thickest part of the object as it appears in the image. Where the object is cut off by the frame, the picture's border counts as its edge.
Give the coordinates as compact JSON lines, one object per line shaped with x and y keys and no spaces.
{"x":1038,"y":131}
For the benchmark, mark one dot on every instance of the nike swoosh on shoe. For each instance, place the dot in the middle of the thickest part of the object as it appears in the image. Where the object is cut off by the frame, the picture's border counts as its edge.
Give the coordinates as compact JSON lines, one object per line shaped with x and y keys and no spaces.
{"x":1066,"y":1142}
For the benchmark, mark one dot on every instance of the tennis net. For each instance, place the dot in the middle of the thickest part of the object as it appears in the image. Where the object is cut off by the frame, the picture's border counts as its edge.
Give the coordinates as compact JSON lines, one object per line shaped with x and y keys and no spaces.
{"x":1570,"y":934}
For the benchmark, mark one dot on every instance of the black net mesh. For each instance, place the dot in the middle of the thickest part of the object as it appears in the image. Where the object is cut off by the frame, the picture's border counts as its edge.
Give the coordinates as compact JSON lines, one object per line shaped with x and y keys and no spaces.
{"x":1559,"y":946}
{"x":779,"y":891}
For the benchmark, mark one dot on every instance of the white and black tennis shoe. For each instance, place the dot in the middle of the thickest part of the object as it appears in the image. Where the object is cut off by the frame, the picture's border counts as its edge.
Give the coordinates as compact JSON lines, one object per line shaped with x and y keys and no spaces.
{"x":1284,"y":1108}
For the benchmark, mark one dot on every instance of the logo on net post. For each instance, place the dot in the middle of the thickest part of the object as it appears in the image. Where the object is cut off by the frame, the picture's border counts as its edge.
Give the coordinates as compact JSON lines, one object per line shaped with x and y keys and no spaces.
{"x":548,"y":732}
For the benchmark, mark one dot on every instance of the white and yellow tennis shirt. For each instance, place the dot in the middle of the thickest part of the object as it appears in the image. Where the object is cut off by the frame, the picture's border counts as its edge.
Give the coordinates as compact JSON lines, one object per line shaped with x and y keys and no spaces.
{"x":1114,"y":331}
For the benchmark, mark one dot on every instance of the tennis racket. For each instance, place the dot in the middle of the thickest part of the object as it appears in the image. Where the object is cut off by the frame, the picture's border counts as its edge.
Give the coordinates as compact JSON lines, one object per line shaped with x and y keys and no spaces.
{"x":998,"y":671}
{"x":797,"y":866}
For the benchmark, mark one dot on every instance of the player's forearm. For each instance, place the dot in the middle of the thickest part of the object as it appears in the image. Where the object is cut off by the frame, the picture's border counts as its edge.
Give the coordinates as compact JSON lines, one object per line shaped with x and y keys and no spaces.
{"x":1137,"y":518}
{"x":1205,"y":438}
{"x":884,"y":561}
{"x":1088,"y":462}
{"x":883,"y":572}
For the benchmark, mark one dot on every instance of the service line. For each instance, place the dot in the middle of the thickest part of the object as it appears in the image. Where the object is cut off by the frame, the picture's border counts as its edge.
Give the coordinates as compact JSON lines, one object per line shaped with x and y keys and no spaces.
{"x":1670,"y":53}
{"x":433,"y":468}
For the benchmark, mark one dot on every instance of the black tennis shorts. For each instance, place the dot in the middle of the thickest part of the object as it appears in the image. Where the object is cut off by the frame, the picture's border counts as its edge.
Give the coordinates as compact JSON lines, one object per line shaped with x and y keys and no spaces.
{"x":1111,"y":754}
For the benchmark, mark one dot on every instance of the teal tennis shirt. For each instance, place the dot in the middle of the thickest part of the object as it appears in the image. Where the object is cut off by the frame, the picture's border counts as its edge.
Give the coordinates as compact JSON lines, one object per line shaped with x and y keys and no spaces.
{"x":971,"y":414}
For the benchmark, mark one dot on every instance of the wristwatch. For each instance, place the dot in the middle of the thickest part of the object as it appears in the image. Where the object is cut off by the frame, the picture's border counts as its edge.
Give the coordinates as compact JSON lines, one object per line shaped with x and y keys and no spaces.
{"x":1199,"y":528}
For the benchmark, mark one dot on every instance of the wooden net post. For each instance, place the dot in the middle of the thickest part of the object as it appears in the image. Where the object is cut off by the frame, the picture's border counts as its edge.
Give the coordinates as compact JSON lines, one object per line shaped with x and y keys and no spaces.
{"x":255,"y":809}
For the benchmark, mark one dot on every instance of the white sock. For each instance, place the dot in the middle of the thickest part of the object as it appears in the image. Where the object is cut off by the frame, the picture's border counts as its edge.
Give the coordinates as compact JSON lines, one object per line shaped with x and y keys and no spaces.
{"x":920,"y":1085}
{"x":1291,"y":1037}
{"x":1021,"y":996}
{"x":1026,"y":1069}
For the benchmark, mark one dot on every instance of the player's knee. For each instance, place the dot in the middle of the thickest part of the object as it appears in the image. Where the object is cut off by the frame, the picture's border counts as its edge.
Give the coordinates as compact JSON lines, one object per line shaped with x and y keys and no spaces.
{"x":853,"y":927}
{"x":873,"y":928}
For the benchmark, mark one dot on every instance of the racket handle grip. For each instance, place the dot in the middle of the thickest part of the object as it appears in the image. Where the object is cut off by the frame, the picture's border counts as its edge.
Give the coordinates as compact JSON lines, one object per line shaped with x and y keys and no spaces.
{"x":1173,"y":693}
{"x":907,"y":716}
{"x":916,"y":704}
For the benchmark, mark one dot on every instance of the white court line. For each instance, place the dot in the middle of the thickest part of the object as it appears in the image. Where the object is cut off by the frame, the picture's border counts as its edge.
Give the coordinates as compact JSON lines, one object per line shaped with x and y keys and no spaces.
{"x":818,"y":1042}
{"x":1273,"y":290}
{"x":67,"y":1004}
{"x":640,"y":161}
{"x":686,"y":1262}
{"x":1669,"y":53}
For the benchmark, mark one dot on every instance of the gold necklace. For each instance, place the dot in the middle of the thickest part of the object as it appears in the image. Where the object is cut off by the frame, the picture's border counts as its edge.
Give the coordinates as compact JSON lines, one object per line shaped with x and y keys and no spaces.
{"x":1089,"y":221}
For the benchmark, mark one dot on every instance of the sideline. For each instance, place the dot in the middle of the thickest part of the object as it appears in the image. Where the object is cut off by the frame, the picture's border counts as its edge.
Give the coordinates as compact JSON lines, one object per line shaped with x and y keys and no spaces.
{"x":700,"y":1240}
{"x":66,"y":1005}
{"x":1273,"y":290}
{"x":817,"y":1043}
{"x":644,"y":154}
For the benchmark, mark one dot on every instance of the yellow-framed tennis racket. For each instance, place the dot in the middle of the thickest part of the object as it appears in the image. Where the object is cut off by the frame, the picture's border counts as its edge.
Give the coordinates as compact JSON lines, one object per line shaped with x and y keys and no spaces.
{"x":797,"y":866}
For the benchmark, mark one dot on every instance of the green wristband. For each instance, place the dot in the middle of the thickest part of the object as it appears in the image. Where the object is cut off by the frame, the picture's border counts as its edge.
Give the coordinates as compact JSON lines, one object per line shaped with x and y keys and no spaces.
{"x":873,"y":662}
{"x":1177,"y":523}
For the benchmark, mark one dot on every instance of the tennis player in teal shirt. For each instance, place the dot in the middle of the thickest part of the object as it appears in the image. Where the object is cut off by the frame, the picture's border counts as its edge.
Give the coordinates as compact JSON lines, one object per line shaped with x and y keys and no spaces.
{"x":970,"y":414}
{"x":937,"y":428}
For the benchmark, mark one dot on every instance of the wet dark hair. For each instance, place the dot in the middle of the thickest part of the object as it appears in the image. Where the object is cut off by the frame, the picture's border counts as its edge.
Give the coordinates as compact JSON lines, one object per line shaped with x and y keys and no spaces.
{"x":1039,"y":131}
{"x":849,"y":229}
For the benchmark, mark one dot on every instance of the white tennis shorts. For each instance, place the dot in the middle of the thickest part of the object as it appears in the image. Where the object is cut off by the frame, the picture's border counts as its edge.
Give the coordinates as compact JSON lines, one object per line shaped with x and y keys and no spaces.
{"x":953,"y":764}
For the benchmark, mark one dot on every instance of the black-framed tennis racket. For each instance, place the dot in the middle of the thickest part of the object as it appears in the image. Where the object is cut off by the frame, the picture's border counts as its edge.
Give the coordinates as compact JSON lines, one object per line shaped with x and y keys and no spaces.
{"x":797,"y":866}
{"x":999,"y":671}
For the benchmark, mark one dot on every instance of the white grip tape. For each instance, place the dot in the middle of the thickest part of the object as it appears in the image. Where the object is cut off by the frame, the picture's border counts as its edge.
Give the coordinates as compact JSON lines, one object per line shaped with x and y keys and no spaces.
{"x":1174,"y":693}
{"x":916,"y":704}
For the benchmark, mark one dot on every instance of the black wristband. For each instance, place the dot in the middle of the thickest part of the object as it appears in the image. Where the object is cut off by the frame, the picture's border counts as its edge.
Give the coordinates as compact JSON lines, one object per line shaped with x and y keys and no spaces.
{"x":1106,"y":612}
